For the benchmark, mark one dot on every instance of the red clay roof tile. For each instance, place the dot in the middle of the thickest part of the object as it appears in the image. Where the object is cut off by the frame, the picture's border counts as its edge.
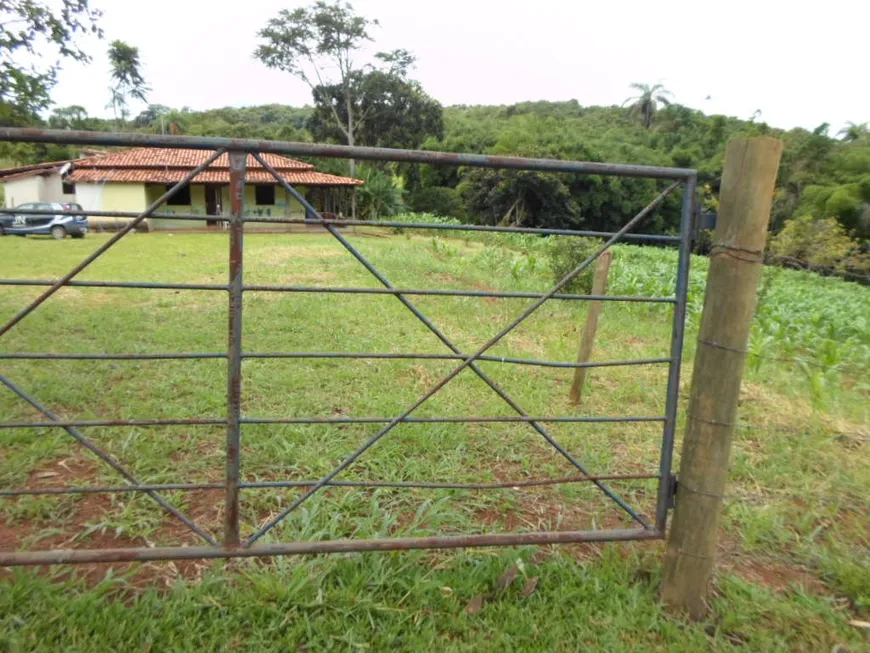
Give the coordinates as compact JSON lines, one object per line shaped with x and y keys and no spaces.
{"x":172,"y":176}
{"x":147,"y":157}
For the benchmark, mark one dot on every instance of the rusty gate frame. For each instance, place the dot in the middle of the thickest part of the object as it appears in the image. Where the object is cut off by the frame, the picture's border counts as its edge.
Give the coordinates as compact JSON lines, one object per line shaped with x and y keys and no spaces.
{"x":231,"y":545}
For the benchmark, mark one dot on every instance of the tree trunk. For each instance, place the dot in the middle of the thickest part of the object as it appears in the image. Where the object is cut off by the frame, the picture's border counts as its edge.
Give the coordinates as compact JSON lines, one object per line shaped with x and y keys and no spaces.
{"x":351,"y":141}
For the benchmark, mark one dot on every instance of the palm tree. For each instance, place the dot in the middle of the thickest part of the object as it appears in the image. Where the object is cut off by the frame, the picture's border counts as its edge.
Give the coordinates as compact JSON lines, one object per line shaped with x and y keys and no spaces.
{"x":645,"y":103}
{"x":853,"y":132}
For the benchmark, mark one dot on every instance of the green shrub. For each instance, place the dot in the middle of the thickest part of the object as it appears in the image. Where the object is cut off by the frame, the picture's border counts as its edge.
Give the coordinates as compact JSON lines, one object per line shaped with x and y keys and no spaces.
{"x":565,"y":253}
{"x":820,"y":243}
{"x":439,"y":200}
{"x":844,"y":204}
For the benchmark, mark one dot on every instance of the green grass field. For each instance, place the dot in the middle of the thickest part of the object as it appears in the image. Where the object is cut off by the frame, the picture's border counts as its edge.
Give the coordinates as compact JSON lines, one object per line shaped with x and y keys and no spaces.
{"x":793,"y":566}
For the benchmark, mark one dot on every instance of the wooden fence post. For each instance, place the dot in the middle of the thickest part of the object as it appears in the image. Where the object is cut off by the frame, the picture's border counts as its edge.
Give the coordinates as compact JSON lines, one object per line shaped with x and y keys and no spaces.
{"x":587,"y":341}
{"x":745,"y":199}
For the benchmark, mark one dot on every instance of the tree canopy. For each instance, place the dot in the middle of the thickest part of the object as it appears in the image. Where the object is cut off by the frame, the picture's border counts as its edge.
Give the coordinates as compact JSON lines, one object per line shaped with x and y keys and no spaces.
{"x":395,"y":111}
{"x":35,"y":36}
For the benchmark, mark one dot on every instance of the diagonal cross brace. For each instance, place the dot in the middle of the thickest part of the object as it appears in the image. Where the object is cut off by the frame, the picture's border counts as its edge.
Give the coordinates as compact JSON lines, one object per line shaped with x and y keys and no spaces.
{"x":469,"y":362}
{"x":494,"y":386}
{"x":62,"y":282}
{"x":108,"y":459}
{"x":109,"y":243}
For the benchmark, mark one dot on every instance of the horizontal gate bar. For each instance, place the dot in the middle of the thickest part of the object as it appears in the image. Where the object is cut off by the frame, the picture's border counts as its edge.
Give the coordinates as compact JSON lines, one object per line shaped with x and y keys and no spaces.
{"x":492,"y":359}
{"x":342,"y":222}
{"x":447,"y":292}
{"x":78,"y":137}
{"x":422,"y":485}
{"x":11,"y":559}
{"x":328,"y":354}
{"x":148,"y":285}
{"x":441,"y":420}
{"x":205,"y":421}
{"x":452,"y":293}
{"x":442,"y":226}
{"x":181,"y":421}
{"x":108,"y":357}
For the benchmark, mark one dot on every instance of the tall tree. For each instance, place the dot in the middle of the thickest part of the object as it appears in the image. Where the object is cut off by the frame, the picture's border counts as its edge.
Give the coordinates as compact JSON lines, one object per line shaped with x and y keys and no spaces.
{"x":398,"y":113}
{"x":127,"y":78}
{"x":318,"y":45}
{"x":854,"y":132}
{"x":645,"y":103}
{"x":35,"y":36}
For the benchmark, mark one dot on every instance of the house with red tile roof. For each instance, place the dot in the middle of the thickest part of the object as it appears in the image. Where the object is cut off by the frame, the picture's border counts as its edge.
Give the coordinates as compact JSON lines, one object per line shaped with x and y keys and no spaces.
{"x":131,"y":180}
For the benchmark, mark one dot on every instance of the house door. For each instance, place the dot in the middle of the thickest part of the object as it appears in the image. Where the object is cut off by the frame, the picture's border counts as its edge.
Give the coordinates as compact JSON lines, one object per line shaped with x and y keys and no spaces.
{"x":212,"y":202}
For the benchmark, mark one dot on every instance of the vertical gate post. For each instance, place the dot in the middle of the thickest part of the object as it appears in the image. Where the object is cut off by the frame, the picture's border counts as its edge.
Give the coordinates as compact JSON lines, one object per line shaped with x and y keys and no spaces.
{"x":238,"y":164}
{"x":736,"y":260}
{"x":587,"y":340}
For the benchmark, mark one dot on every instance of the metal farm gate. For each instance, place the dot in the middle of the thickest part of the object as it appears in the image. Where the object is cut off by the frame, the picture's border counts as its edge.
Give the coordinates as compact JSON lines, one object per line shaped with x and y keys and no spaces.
{"x":231,"y":544}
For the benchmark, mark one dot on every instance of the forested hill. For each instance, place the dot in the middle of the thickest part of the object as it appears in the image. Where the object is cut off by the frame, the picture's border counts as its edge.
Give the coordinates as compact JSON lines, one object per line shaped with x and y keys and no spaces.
{"x":823,"y":175}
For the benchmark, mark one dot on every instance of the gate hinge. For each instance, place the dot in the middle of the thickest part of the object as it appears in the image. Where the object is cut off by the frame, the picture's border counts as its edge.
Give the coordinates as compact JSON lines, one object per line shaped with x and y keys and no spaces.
{"x":703,"y":220}
{"x":673,"y":487}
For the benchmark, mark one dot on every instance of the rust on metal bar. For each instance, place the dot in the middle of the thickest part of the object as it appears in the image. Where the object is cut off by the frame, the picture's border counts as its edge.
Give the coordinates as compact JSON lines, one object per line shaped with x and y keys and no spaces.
{"x":80,"y":556}
{"x":342,"y":222}
{"x":238,"y":164}
{"x":77,"y":137}
{"x":260,"y":485}
{"x":144,"y":285}
{"x":85,"y":423}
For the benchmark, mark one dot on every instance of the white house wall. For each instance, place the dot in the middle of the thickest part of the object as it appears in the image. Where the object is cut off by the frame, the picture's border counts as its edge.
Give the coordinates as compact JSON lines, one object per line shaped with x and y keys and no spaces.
{"x":90,"y":196}
{"x":52,"y":190}
{"x":19,"y":191}
{"x":35,"y":188}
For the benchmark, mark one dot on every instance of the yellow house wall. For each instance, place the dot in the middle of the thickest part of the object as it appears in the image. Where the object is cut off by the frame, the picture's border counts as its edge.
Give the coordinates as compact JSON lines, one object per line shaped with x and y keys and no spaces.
{"x":286,"y":206}
{"x":110,"y":197}
{"x":124,"y":197}
{"x":196,"y":207}
{"x":137,"y":197}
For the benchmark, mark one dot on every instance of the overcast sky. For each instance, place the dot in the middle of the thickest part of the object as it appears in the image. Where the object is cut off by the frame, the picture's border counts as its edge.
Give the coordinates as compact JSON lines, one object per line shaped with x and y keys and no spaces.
{"x":800,"y":64}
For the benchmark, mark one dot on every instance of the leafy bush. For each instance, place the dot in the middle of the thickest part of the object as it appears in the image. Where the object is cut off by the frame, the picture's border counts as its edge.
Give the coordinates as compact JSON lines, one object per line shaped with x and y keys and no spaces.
{"x":844,"y":203}
{"x":820,"y":243}
{"x":565,"y":253}
{"x":438,"y":200}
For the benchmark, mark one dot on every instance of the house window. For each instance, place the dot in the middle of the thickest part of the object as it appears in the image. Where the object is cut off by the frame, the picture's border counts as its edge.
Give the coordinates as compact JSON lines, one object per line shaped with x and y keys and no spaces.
{"x":181,"y":198}
{"x":69,"y":189}
{"x":265,"y":195}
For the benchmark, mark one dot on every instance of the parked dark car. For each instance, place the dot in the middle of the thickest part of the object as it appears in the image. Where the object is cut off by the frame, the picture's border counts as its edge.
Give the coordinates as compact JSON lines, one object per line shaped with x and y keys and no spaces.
{"x":57,"y":226}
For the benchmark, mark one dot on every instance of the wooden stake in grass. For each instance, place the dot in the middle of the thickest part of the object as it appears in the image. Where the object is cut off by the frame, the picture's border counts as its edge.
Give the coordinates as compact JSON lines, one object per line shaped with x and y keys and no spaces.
{"x":736,"y":259}
{"x":587,"y":341}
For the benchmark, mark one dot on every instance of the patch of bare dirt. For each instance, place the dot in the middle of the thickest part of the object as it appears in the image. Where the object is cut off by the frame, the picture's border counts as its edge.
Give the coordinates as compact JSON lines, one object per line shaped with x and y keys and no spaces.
{"x":759,"y":570}
{"x":775,"y":575}
{"x":444,"y":276}
{"x":81,"y":530}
